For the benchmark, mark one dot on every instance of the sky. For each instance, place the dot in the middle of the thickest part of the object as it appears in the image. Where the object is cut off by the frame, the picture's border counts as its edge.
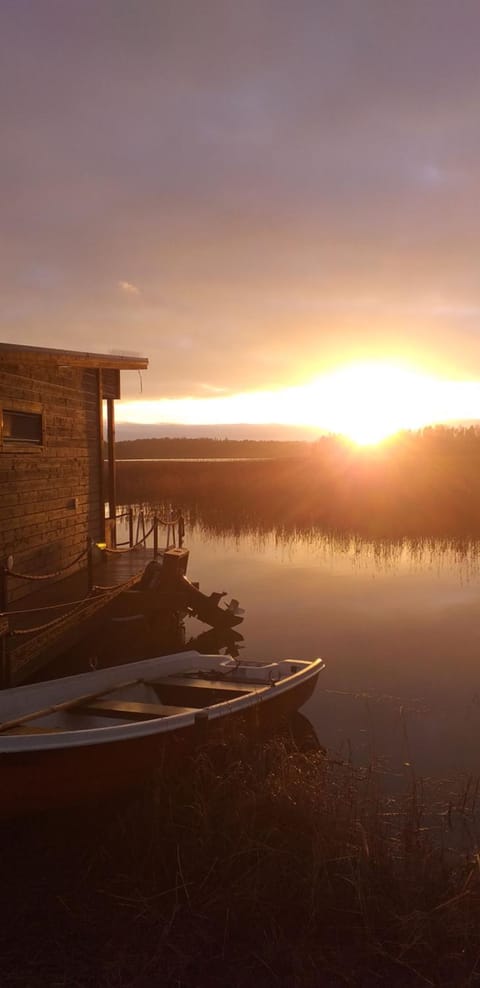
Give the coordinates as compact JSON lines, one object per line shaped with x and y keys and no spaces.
{"x":257,"y":196}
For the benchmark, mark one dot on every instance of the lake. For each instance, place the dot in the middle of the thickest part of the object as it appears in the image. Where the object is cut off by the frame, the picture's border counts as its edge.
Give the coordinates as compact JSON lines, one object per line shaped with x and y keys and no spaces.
{"x":397,"y":623}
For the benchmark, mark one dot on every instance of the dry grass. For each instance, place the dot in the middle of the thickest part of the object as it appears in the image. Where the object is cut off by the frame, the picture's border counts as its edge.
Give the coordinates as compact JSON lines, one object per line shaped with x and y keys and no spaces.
{"x":253,"y":863}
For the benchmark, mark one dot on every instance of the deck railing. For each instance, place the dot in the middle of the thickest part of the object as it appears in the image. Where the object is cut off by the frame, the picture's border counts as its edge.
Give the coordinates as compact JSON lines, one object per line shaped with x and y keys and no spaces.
{"x":173,"y":526}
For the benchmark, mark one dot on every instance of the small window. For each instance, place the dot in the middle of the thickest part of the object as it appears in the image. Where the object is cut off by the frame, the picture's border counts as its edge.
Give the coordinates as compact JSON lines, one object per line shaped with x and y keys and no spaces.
{"x":22,"y":427}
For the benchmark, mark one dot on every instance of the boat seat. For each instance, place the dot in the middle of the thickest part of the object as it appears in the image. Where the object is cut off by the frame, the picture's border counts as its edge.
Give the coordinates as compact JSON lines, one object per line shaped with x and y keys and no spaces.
{"x":130,"y":709}
{"x":199,"y":692}
{"x":215,"y":685}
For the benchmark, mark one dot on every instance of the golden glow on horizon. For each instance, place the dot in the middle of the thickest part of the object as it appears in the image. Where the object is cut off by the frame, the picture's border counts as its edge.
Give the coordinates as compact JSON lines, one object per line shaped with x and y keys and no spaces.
{"x":366,"y":402}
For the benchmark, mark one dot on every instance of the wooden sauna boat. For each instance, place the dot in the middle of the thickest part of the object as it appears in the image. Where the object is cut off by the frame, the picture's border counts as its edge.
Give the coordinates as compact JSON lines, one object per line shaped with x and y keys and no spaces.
{"x":65,"y":741}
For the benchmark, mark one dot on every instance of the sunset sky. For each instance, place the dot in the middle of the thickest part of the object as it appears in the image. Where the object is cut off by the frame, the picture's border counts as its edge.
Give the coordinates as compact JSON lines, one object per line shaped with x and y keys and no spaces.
{"x":276,"y":201}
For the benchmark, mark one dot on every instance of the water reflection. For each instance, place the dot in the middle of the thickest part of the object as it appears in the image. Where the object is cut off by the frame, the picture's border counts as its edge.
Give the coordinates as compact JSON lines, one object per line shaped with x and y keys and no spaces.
{"x":123,"y":640}
{"x":215,"y":640}
{"x":396,"y":621}
{"x":301,"y":731}
{"x":365,"y":553}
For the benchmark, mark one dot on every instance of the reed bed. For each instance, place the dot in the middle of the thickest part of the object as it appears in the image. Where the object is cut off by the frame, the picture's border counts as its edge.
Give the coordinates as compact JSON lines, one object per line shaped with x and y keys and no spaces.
{"x":415,"y":489}
{"x":261,"y":862}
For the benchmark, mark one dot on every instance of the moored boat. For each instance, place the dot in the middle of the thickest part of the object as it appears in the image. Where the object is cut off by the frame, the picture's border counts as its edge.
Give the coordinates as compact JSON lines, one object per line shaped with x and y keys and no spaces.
{"x":67,"y":740}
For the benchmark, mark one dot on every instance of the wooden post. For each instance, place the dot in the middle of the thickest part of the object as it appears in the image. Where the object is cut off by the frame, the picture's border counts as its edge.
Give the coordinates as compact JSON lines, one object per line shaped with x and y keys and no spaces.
{"x":90,"y":563}
{"x":112,"y":479}
{"x":140,"y":521}
{"x":130,"y":526}
{"x":181,"y":531}
{"x":155,"y":537}
{"x":101,"y":484}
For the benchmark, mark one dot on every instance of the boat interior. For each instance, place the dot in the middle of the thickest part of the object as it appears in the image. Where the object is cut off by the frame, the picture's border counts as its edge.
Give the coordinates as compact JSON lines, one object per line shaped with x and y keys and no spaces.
{"x":151,"y":698}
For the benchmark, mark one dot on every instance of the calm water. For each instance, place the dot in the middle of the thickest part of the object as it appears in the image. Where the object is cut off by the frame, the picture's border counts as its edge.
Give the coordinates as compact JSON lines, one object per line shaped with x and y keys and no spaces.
{"x":398,"y":628}
{"x":195,"y":459}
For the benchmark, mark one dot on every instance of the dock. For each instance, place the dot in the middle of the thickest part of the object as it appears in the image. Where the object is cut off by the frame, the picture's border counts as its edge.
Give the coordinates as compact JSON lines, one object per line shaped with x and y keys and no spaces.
{"x":61,"y":609}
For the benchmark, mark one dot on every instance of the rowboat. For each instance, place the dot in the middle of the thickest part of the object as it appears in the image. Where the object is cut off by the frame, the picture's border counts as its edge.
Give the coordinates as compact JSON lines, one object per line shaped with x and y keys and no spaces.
{"x":66,"y":741}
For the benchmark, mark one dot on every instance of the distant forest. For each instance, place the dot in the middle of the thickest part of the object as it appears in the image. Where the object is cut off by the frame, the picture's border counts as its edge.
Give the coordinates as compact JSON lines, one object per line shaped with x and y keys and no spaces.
{"x":435,"y":439}
{"x":168,"y":448}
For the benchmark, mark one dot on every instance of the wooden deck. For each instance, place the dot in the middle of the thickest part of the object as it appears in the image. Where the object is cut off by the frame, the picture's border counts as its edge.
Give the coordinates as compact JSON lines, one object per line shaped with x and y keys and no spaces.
{"x":57,"y":613}
{"x":108,"y":570}
{"x":121,"y":566}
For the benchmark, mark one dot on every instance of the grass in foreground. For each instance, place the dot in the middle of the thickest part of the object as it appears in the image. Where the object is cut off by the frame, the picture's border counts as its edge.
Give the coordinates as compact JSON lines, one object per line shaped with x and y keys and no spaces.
{"x":256,"y":864}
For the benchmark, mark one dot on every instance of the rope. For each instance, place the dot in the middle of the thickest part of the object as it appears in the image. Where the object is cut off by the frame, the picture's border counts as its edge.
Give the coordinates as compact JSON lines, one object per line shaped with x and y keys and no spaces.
{"x":47,"y":638}
{"x":47,"y":576}
{"x":18,"y":632}
{"x":37,"y":610}
{"x":78,"y":604}
{"x":115,"y":586}
{"x":160,"y":521}
{"x":132,"y":547}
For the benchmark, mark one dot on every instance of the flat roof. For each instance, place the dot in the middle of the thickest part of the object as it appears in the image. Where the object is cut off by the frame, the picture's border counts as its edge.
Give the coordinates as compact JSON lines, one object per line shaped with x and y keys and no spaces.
{"x":116,"y":361}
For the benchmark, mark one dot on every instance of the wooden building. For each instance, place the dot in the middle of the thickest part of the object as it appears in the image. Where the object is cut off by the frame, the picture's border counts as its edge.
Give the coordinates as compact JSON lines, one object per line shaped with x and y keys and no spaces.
{"x":52,"y":482}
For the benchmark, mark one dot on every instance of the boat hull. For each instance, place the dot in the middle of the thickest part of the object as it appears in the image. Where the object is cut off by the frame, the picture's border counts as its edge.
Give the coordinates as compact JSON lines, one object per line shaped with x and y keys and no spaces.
{"x":64,"y":777}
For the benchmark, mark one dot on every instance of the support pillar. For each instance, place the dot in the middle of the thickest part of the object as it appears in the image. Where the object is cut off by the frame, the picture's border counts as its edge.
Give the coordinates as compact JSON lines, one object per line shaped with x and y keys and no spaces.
{"x":112,"y":473}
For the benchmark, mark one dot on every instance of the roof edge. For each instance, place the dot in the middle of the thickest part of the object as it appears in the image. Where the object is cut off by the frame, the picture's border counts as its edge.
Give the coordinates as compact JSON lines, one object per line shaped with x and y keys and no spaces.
{"x":115,"y":361}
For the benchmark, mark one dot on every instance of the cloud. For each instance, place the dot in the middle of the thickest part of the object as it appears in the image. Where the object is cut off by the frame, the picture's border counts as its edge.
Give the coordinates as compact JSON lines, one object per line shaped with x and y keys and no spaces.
{"x":294,"y":185}
{"x":128,"y":288}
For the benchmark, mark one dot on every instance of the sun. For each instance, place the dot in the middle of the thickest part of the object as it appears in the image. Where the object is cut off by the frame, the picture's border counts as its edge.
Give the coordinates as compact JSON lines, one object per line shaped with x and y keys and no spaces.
{"x":367,"y":402}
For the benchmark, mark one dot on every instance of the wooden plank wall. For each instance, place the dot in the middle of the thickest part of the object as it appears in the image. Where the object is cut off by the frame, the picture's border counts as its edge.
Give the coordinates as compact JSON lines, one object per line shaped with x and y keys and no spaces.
{"x":50,"y":496}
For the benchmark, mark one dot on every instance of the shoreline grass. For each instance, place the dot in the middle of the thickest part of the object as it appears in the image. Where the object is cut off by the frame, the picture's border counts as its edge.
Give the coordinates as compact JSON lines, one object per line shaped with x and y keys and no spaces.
{"x":256,"y":863}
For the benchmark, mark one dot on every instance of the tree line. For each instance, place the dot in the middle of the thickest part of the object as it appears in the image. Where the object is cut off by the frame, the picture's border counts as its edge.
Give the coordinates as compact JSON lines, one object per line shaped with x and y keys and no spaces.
{"x":175,"y":448}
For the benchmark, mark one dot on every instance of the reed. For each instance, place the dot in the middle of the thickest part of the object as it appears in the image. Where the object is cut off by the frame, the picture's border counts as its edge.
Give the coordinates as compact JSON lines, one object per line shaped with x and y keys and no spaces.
{"x":257,"y":863}
{"x":427,"y":486}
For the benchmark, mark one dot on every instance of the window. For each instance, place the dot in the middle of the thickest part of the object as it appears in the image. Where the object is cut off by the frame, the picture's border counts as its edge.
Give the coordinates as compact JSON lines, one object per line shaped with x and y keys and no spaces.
{"x":22,"y":427}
